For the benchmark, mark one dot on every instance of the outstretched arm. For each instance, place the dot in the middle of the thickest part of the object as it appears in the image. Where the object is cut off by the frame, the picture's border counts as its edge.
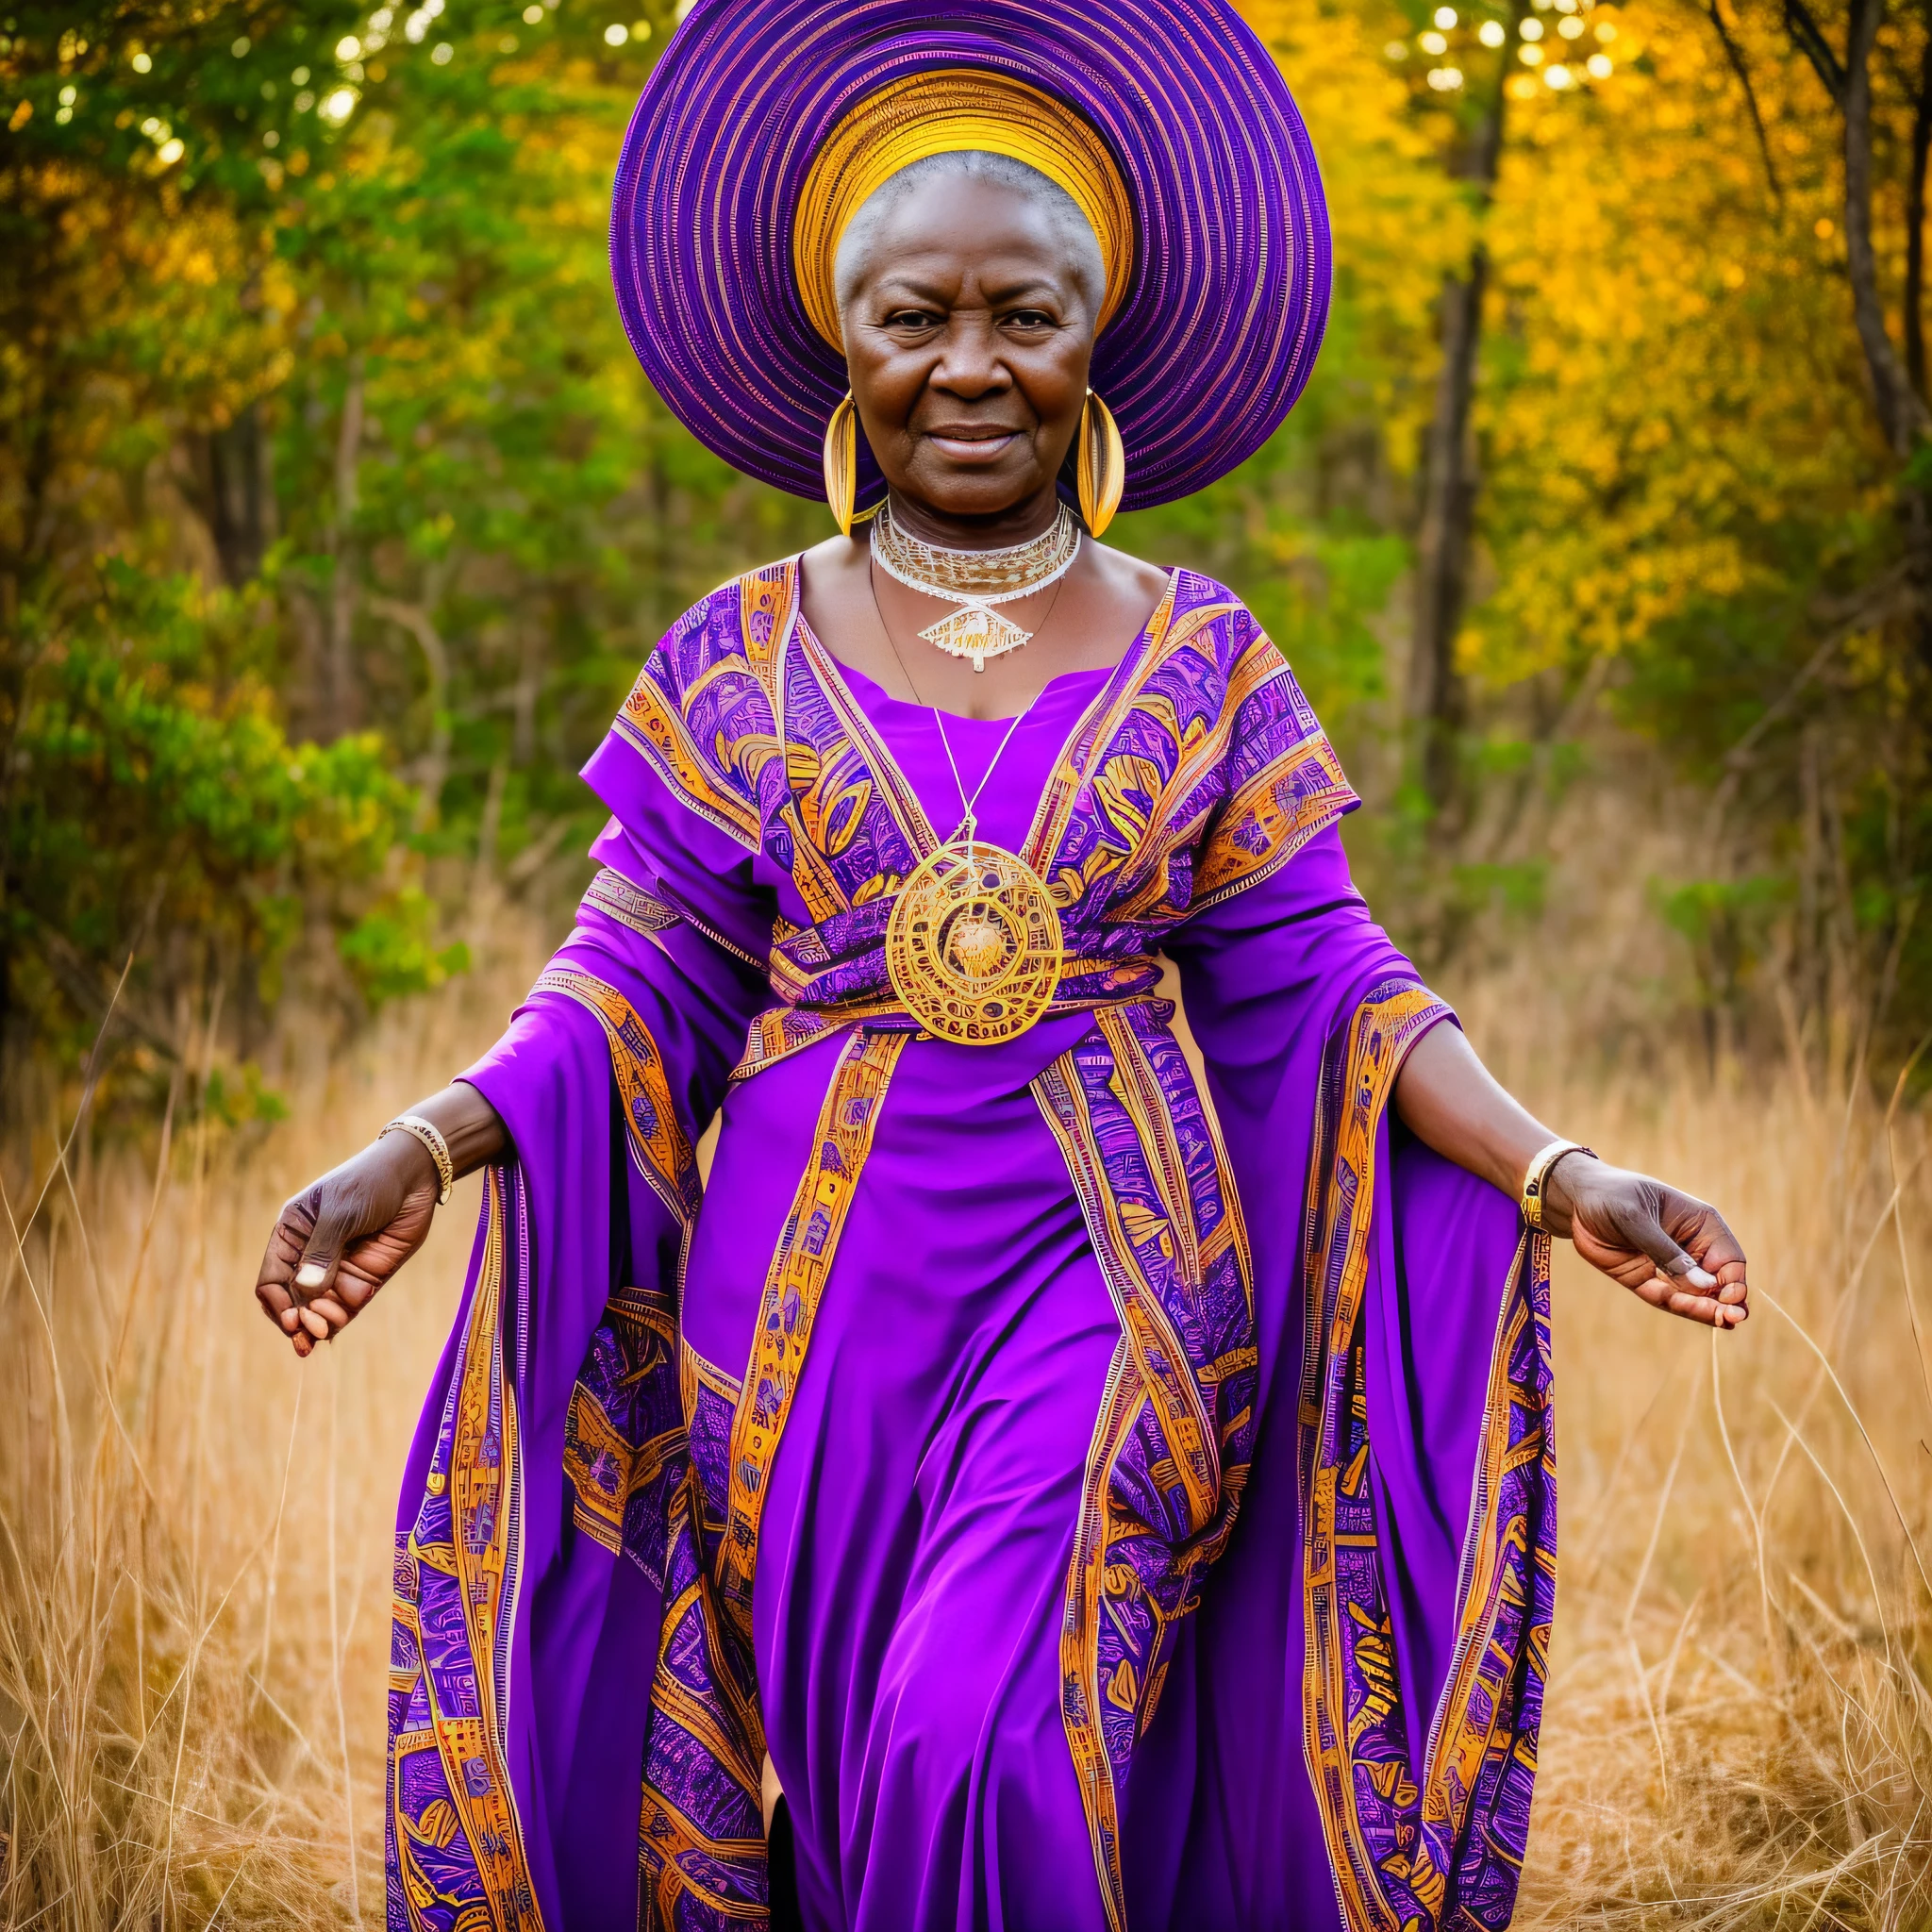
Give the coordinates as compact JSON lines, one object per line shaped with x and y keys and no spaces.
{"x":343,"y":1235}
{"x":1670,"y":1249}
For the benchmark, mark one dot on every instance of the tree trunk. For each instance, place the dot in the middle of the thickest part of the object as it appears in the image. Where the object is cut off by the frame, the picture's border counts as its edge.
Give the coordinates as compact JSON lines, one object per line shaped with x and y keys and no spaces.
{"x":1901,"y":414}
{"x":1442,"y":544}
{"x":234,"y":491}
{"x":419,"y":620}
{"x":1449,"y":482}
{"x":344,"y":687}
{"x":1735,"y":54}
{"x":1915,"y":222}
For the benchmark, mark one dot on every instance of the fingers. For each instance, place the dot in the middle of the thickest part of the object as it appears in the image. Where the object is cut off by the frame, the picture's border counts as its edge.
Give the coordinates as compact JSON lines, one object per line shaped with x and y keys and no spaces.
{"x":1666,"y":1292}
{"x":322,"y":1254}
{"x":1720,"y":1258}
{"x":339,"y":1240}
{"x":1703,"y":1281}
{"x":314,"y":1323}
{"x":274,"y":1284}
{"x":325,"y":1317}
{"x":1669,"y":1249}
{"x":298,"y":1269}
{"x":1718,"y":1250}
{"x":1646,"y":1229}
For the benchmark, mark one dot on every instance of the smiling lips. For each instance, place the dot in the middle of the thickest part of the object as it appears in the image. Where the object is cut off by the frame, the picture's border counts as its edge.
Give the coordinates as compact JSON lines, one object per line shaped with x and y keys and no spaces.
{"x":965,"y":442}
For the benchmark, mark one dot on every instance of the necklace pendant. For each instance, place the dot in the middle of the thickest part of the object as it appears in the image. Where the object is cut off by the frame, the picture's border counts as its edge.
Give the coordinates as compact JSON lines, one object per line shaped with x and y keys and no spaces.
{"x":973,"y":947}
{"x":975,"y":631}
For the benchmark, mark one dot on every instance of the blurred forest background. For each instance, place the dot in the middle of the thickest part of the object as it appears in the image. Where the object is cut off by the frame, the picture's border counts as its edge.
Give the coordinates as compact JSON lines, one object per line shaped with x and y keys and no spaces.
{"x":335,"y":518}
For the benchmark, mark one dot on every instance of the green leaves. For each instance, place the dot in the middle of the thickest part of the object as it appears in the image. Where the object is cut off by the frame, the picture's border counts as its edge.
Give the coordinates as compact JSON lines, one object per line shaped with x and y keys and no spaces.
{"x":157,"y":806}
{"x":392,"y":949}
{"x":336,"y":516}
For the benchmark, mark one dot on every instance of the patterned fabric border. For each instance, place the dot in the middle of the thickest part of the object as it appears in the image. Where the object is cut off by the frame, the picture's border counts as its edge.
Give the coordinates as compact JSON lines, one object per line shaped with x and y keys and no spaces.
{"x":660,"y":1149}
{"x":627,"y":903}
{"x":1086,"y":986}
{"x":1164,"y":803}
{"x":1271,"y":818}
{"x":701,"y":1837}
{"x":638,"y":1445}
{"x":623,"y":1427}
{"x":455,"y":1848}
{"x":1171,"y":1445}
{"x":701,"y":1842}
{"x":456,"y":1855}
{"x":1446,"y":1849}
{"x":1196,"y":770}
{"x":793,"y":1284}
{"x":710,"y":737}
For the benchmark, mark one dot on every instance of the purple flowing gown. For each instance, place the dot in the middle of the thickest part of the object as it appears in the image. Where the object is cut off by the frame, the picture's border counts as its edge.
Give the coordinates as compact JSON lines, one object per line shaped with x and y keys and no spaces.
{"x":1111,"y":1505}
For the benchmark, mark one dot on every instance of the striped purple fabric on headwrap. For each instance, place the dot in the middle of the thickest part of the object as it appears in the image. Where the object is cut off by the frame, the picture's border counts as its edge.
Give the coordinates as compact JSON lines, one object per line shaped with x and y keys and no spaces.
{"x":1229,"y":290}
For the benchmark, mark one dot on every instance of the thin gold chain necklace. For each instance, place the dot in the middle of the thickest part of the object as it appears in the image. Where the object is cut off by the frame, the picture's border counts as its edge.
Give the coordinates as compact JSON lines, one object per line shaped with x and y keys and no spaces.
{"x":973,"y":945}
{"x":969,"y":820}
{"x":976,"y":581}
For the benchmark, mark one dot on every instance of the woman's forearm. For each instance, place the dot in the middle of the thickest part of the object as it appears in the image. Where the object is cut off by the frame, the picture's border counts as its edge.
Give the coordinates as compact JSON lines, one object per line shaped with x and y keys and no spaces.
{"x":471,"y":1128}
{"x":1448,"y":1099}
{"x":1667,"y":1247}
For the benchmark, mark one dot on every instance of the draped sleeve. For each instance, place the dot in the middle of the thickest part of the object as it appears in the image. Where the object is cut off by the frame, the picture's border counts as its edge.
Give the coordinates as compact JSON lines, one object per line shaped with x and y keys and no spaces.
{"x":542,"y":1536}
{"x":1365,"y":1673}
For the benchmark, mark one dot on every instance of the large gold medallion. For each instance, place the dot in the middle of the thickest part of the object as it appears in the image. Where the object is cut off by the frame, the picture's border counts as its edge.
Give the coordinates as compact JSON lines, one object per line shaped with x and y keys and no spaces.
{"x":973,"y":947}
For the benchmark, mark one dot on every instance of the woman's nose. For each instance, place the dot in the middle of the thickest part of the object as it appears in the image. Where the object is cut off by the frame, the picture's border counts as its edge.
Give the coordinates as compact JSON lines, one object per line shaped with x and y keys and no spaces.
{"x":969,"y":363}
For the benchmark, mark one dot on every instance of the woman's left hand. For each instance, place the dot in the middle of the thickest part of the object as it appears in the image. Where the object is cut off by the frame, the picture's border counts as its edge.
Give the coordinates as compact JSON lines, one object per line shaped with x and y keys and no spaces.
{"x":1666,"y":1248}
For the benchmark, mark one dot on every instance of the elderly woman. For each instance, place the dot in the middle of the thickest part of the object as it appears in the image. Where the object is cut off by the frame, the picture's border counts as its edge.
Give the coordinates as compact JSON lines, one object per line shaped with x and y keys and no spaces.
{"x":1094,"y":1496}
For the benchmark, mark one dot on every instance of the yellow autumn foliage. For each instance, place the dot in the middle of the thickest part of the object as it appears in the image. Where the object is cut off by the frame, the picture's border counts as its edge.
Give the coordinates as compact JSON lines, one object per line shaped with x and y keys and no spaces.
{"x":1680,"y":378}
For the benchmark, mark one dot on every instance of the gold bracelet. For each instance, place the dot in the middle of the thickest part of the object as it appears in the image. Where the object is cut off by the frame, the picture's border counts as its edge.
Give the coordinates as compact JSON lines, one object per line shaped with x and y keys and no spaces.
{"x":426,"y":1132}
{"x":1537,"y":1179}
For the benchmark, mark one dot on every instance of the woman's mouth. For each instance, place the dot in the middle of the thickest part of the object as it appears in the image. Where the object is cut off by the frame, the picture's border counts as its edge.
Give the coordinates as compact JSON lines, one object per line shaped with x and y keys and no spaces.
{"x":963,"y":446}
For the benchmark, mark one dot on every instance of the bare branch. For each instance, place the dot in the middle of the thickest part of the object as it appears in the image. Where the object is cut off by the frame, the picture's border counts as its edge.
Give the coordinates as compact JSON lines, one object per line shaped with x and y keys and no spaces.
{"x":1735,"y":54}
{"x":1810,"y":38}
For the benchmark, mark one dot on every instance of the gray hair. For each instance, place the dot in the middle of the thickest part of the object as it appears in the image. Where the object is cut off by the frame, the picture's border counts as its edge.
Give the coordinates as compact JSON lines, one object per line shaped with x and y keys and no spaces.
{"x":973,"y":164}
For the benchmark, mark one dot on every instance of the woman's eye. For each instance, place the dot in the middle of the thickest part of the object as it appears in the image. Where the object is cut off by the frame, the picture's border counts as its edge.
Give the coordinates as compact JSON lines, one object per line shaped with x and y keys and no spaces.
{"x":1029,"y":318}
{"x":912,"y":318}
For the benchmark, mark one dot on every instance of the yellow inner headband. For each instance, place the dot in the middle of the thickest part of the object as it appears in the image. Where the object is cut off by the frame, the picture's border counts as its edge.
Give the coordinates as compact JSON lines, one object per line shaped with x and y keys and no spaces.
{"x":954,"y":110}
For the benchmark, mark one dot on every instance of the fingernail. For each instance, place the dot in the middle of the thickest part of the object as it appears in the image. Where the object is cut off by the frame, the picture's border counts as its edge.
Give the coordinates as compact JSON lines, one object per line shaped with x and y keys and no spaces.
{"x":311,"y":1274}
{"x":1698,"y":1278}
{"x":315,"y":1324}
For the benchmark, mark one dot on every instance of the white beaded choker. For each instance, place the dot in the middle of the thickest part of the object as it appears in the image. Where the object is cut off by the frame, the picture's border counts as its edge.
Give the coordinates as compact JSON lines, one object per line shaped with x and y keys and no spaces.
{"x":975,"y":581}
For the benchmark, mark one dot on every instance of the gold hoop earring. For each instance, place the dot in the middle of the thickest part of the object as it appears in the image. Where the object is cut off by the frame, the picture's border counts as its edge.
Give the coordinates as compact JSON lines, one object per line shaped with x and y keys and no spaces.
{"x":841,"y":462}
{"x":1101,"y":472}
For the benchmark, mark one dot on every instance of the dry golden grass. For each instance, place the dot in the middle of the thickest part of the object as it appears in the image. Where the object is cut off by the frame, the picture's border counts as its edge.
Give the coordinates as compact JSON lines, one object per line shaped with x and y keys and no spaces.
{"x":1739,"y":1732}
{"x":194,"y":1529}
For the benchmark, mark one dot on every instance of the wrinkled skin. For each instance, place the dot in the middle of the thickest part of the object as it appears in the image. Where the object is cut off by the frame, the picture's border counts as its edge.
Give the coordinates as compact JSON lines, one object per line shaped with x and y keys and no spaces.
{"x":342,"y":1237}
{"x":968,"y":336}
{"x":1665,"y":1246}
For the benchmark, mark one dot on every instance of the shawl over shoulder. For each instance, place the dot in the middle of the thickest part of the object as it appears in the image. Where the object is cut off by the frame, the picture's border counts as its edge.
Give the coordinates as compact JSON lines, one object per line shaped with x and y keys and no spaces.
{"x":1307,"y":1607}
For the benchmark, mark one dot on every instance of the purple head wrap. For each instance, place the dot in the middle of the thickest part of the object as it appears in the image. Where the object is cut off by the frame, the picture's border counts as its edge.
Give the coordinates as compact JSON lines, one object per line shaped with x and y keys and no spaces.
{"x":1228,"y":291}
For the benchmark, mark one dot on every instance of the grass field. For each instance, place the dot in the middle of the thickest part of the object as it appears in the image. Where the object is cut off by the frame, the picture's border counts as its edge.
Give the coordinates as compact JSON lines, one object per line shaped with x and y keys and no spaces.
{"x":194,"y":1528}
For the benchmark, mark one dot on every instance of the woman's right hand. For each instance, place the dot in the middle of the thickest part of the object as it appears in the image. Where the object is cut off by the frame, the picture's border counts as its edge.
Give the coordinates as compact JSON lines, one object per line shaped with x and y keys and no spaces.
{"x":339,"y":1239}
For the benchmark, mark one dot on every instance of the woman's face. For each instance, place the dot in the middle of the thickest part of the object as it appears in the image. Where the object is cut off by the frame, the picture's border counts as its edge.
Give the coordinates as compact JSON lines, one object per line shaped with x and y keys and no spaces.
{"x":968,"y":336}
